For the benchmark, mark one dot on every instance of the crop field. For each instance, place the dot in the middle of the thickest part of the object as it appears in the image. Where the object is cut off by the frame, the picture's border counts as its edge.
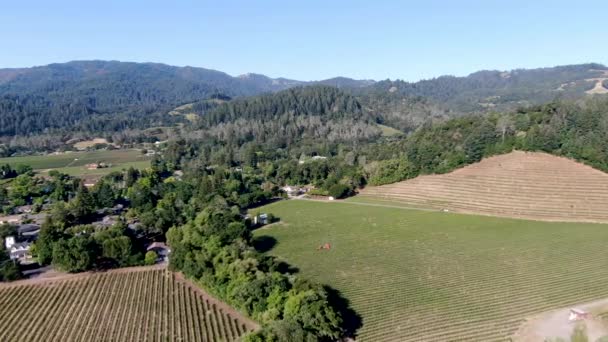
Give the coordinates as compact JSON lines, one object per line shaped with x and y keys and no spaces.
{"x":73,"y":163}
{"x":519,"y":184}
{"x":136,"y":305}
{"x":416,"y":275}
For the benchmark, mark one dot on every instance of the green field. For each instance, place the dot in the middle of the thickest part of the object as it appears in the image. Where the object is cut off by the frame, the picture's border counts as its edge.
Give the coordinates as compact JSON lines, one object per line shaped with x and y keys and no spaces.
{"x":389,"y":131}
{"x":415,"y":275}
{"x":73,"y":163}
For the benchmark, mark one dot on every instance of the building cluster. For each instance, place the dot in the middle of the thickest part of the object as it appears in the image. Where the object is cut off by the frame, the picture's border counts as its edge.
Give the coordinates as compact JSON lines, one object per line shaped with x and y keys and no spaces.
{"x":28,"y":228}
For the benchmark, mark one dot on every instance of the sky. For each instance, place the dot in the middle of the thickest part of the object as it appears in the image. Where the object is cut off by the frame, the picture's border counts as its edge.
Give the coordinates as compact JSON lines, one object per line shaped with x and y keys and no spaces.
{"x":312,"y":39}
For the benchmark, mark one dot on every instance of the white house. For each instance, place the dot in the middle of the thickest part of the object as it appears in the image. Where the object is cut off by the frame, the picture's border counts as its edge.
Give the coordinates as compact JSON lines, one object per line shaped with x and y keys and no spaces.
{"x":9,"y":241}
{"x":20,"y":251}
{"x":261,"y":219}
{"x":292,"y":191}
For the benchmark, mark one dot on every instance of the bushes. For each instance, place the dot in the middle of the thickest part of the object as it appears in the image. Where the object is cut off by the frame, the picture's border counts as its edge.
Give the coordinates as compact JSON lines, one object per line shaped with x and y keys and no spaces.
{"x":387,"y":171}
{"x":290,"y":309}
{"x":150,"y":258}
{"x":339,"y":191}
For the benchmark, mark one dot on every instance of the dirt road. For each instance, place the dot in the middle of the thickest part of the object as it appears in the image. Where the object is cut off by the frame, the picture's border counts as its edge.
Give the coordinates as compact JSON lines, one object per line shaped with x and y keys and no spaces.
{"x":555,"y":323}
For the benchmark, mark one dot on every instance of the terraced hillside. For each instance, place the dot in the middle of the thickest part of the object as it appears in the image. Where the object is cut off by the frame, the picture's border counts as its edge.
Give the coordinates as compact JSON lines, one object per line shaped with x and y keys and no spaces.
{"x":122,"y":305}
{"x":519,"y":184}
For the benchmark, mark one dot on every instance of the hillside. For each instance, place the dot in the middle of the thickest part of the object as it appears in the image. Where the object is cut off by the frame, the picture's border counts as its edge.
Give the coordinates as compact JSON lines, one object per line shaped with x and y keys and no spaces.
{"x":112,"y":96}
{"x":518,"y":184}
{"x":488,"y":90}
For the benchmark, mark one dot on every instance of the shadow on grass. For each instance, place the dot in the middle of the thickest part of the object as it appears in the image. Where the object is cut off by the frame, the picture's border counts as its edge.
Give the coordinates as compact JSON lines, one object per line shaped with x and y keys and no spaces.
{"x":264,"y":243}
{"x":351,"y":319}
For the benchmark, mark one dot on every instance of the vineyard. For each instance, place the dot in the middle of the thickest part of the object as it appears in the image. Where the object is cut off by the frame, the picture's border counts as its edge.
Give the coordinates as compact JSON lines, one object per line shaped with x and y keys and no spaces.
{"x":416,"y":275}
{"x":518,"y":184}
{"x":137,"y":305}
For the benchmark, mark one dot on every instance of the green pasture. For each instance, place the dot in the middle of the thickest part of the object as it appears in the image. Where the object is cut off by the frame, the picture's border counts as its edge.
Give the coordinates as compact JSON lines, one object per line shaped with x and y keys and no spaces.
{"x":73,"y":163}
{"x":422,"y":275}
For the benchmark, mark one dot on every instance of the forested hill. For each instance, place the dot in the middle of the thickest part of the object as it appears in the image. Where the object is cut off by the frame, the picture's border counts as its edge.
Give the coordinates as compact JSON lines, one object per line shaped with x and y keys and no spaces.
{"x":314,"y":112}
{"x":111,"y":96}
{"x":501,"y":90}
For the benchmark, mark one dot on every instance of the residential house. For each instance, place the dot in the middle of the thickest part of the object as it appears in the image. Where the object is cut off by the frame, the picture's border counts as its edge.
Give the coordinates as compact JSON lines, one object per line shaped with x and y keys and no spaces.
{"x":261,"y":219}
{"x":29,"y":230}
{"x":23,"y":209}
{"x":18,"y":250}
{"x":161,"y":249}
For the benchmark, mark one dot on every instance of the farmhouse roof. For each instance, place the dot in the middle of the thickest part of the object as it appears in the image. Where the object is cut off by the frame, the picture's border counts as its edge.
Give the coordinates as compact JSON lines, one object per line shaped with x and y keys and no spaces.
{"x":28,"y":228}
{"x":157,"y":245}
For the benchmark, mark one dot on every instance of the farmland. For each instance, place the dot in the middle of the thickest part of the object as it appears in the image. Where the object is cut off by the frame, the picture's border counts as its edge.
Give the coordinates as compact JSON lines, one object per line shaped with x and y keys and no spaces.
{"x":73,"y":163}
{"x":519,"y":184}
{"x":421,"y":275}
{"x":124,"y":305}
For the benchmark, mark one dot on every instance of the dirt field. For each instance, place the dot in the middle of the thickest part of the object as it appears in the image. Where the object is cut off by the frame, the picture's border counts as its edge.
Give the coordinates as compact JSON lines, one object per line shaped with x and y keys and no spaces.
{"x":519,"y":184}
{"x":83,"y":145}
{"x":555,"y":324}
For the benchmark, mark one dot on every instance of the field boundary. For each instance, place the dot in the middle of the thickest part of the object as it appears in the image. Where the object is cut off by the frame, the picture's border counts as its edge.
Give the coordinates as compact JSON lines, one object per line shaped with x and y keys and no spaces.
{"x":221,"y":304}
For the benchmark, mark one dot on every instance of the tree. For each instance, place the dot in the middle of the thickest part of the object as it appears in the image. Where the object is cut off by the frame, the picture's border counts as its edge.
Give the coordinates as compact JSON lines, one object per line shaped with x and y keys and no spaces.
{"x":75,"y":254}
{"x":117,"y":249}
{"x":150,"y":258}
{"x":339,"y":191}
{"x":83,"y":204}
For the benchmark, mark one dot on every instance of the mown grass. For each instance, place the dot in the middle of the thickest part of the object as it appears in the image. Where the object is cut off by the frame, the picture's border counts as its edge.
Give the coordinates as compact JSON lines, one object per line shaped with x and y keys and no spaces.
{"x":388,"y":131}
{"x":74,"y":162}
{"x":418,"y":275}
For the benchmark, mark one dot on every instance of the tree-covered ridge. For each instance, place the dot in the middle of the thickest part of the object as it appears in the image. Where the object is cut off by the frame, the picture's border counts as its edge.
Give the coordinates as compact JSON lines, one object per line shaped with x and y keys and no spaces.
{"x":110,"y":96}
{"x":498,"y":90}
{"x":314,"y":112}
{"x":574,"y":130}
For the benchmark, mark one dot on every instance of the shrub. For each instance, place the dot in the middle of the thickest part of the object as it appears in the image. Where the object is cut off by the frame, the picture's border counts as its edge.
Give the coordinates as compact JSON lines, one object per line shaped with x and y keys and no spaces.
{"x":151,"y":257}
{"x":339,"y":191}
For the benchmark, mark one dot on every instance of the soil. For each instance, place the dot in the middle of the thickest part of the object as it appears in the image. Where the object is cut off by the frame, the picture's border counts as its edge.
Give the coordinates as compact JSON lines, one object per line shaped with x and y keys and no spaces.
{"x":554,"y":324}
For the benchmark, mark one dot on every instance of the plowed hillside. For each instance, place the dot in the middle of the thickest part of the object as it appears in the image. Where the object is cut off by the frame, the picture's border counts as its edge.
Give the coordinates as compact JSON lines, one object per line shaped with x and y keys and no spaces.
{"x":519,"y":184}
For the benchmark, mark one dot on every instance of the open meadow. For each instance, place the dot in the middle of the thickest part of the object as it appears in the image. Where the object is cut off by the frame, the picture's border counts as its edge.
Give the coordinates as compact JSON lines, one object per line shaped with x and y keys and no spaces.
{"x":415,"y":275}
{"x":73,"y":163}
{"x":123,"y":305}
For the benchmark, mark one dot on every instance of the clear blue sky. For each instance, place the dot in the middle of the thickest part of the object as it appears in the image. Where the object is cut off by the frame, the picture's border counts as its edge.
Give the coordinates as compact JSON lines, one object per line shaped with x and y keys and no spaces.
{"x":309,"y":39}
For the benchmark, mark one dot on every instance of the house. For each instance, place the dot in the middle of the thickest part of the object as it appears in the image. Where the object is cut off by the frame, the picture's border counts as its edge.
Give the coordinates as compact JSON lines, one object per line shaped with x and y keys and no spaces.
{"x":292,"y":191}
{"x":261,"y":219}
{"x":9,"y":241}
{"x":29,"y":230}
{"x":23,"y":209}
{"x":20,"y":251}
{"x":161,"y":249}
{"x":92,"y":166}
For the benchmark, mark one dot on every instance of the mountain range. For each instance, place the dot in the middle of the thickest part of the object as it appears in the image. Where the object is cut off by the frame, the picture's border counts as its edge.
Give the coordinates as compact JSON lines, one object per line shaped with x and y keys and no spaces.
{"x":112,"y":96}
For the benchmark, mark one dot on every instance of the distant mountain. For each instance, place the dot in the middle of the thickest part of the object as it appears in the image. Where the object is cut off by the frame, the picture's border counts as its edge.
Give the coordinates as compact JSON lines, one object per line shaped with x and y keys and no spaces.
{"x":502,"y":90}
{"x":108,"y":96}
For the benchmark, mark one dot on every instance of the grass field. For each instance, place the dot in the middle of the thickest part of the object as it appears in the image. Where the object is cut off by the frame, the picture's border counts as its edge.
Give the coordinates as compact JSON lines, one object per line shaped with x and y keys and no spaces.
{"x":388,"y":131}
{"x":415,"y":275}
{"x":141,"y":305}
{"x":73,"y":163}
